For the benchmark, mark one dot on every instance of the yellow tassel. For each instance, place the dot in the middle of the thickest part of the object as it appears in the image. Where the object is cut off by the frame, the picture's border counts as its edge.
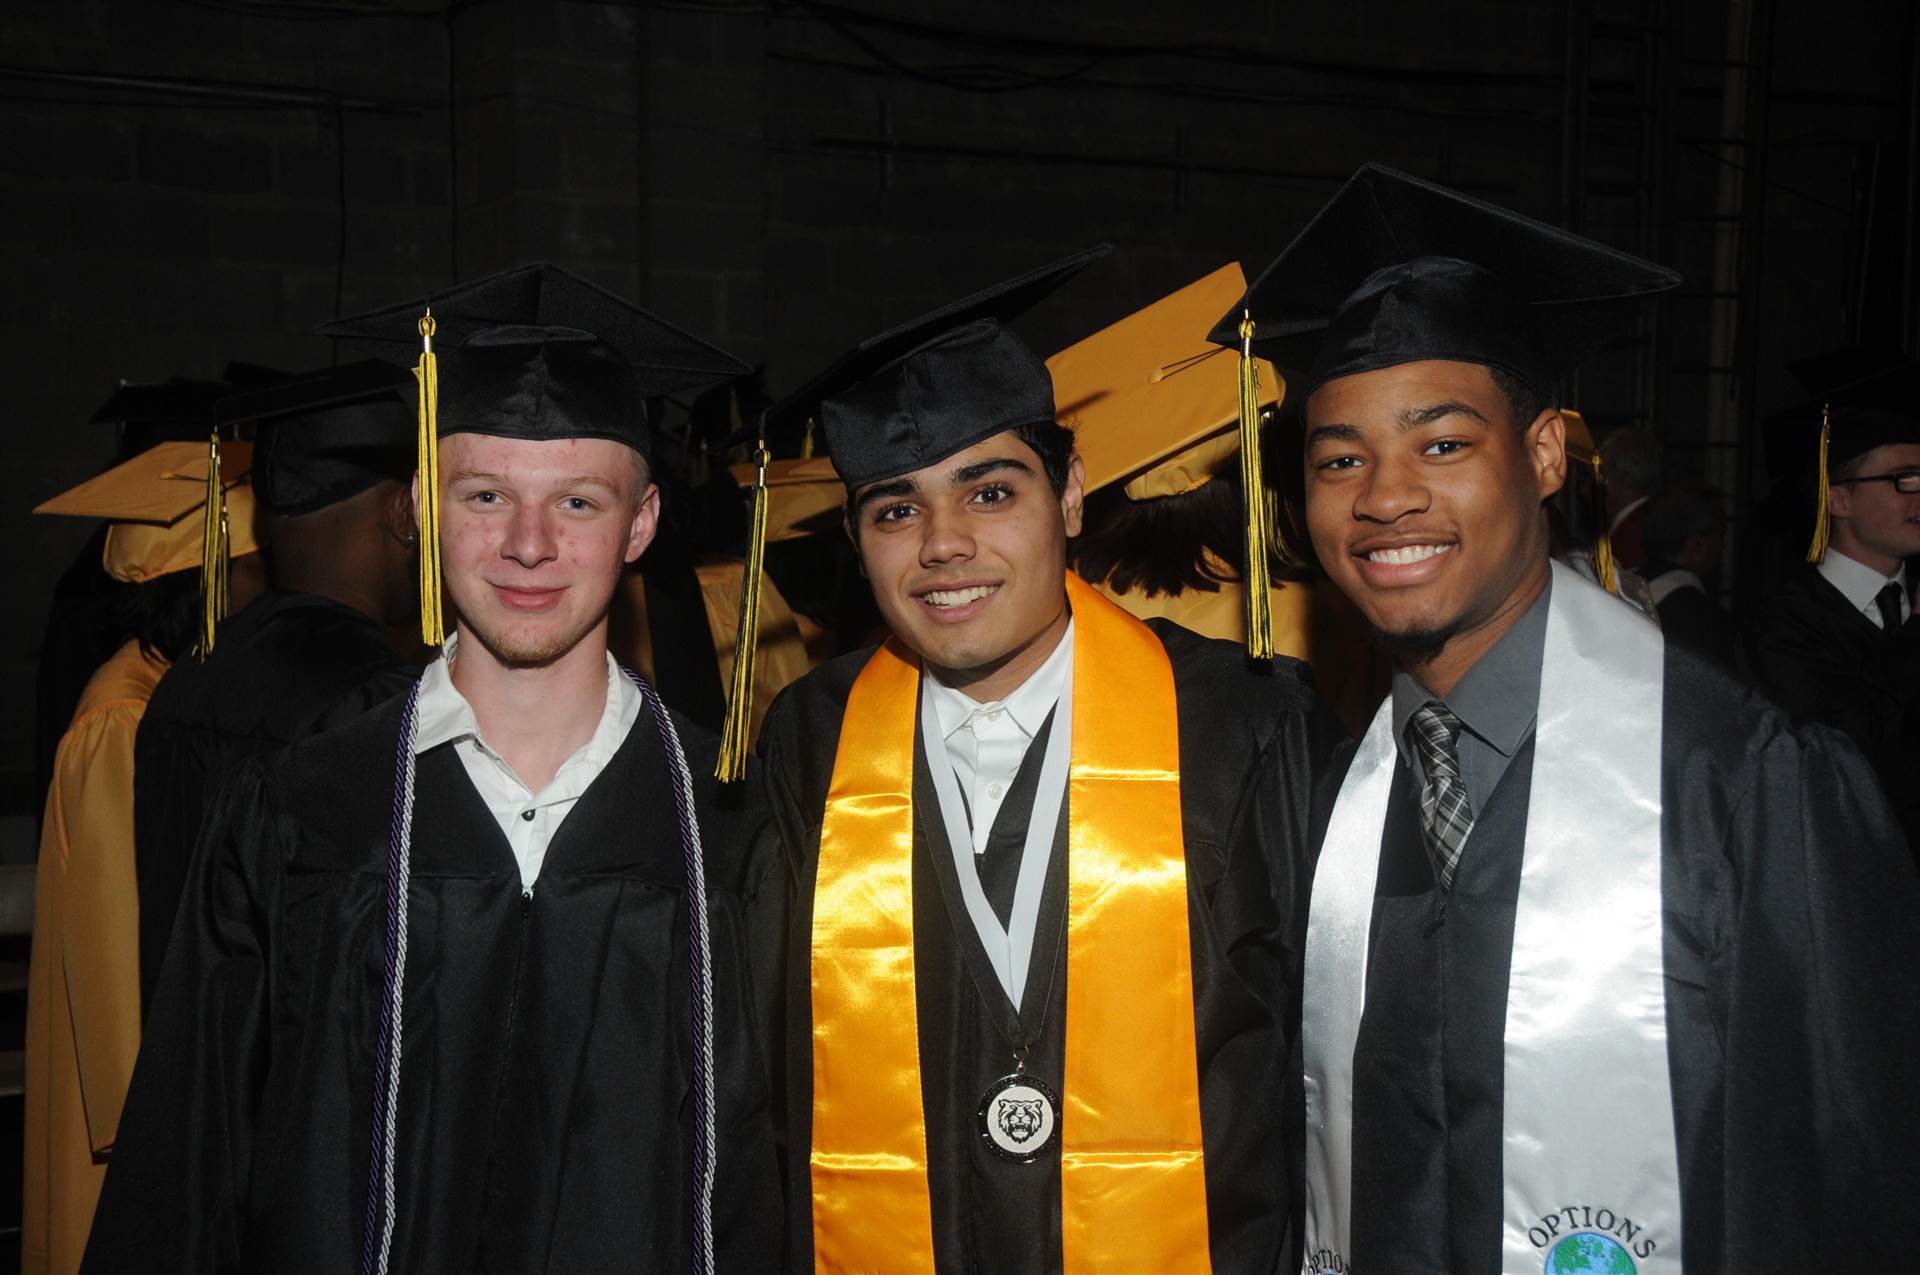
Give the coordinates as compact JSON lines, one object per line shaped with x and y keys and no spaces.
{"x":806,"y":444}
{"x":736,"y":737}
{"x":432,"y":624}
{"x":1253,"y":492}
{"x":1603,"y":542}
{"x":1822,"y":526}
{"x":213,"y":550}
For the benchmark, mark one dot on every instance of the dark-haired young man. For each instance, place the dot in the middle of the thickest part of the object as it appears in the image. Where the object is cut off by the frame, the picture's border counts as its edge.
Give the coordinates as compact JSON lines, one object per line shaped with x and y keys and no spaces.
{"x":1609,"y":962}
{"x":449,"y":990}
{"x":1048,"y":863}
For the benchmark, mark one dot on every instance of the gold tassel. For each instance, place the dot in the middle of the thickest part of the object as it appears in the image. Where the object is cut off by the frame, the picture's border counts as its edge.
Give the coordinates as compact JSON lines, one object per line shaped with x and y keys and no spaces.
{"x":806,"y":443}
{"x":213,"y":550}
{"x":1822,"y":525}
{"x":1253,"y":491}
{"x":736,"y":736}
{"x":1603,"y":542}
{"x":432,"y":623}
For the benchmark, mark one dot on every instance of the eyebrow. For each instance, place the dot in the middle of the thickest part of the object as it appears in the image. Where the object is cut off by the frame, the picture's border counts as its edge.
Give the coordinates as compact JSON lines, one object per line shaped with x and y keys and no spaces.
{"x":487,"y":476}
{"x":1409,"y":418}
{"x":887,"y":490}
{"x":980,"y":469}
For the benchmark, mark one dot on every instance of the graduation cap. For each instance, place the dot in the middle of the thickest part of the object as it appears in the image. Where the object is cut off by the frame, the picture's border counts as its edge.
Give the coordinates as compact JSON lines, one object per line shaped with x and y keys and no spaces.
{"x":151,"y":502}
{"x":534,"y":353}
{"x":804,"y":496}
{"x":161,"y":412}
{"x":326,"y":436}
{"x":1860,"y":399}
{"x":1396,"y":270}
{"x":1154,"y":404}
{"x":1583,"y":450}
{"x":917,"y":393}
{"x":900,"y":401}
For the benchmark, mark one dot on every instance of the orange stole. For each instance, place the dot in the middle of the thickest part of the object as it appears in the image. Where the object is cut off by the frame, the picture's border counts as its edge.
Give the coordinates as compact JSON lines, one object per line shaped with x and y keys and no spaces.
{"x":1133,"y":1181}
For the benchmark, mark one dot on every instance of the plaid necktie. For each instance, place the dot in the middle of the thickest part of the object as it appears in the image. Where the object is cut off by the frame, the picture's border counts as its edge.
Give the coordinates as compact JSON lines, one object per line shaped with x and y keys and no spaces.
{"x":1446,"y":814}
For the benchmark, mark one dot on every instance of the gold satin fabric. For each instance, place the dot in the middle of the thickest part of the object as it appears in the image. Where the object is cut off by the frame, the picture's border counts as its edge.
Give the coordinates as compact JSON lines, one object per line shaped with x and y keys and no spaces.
{"x":83,"y":983}
{"x":1133,"y":1180}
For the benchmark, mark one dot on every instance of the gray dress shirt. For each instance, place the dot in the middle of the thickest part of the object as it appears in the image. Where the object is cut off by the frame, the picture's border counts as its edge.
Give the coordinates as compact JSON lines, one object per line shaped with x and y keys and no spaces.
{"x":1496,"y":701}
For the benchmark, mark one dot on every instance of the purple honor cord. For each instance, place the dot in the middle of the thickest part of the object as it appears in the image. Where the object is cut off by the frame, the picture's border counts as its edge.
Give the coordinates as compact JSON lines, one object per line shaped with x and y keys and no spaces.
{"x":378,"y":1247}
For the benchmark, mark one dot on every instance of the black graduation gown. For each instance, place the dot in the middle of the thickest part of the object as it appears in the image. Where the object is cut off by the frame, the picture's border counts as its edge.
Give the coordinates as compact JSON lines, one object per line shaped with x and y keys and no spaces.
{"x":1251,"y":743}
{"x":546,"y":1111}
{"x":287,"y":666}
{"x":1792,"y":953}
{"x":1818,"y":656}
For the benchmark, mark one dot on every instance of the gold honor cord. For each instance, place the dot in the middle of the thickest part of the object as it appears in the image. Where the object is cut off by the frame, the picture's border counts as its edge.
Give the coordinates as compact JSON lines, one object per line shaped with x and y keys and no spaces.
{"x":736,"y":736}
{"x":1253,"y":494}
{"x":1822,"y":526}
{"x":1603,"y":567}
{"x":1133,"y":1178}
{"x":213,"y":550}
{"x":432,"y":622}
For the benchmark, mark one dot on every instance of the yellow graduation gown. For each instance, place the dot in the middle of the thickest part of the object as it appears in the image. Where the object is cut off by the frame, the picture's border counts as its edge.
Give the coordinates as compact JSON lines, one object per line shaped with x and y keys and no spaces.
{"x":83,"y":989}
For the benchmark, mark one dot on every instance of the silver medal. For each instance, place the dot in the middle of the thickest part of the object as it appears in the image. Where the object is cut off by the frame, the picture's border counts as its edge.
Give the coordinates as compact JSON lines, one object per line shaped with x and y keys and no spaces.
{"x":1019,"y":1117}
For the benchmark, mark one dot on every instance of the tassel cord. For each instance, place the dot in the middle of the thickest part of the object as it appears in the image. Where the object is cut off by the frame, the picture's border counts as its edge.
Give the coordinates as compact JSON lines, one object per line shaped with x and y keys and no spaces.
{"x":1257,"y":573}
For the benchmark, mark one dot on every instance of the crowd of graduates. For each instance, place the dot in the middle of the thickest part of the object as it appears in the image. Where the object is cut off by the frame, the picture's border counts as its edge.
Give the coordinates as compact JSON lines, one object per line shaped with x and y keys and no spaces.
{"x":520,"y":799}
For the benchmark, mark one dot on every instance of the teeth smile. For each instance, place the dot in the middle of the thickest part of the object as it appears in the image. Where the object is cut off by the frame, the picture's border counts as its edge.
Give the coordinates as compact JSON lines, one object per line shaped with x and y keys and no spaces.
{"x":1406,"y":554}
{"x":958,"y":597}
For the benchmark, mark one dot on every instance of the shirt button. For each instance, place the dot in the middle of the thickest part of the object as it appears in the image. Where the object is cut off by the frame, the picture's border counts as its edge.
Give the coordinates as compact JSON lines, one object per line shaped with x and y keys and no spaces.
{"x":527,"y":815}
{"x":993,"y":715}
{"x":995,"y":791}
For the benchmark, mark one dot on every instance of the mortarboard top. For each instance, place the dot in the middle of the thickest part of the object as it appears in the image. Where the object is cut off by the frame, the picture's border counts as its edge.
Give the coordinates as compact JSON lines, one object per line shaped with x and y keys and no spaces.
{"x":1150,"y":400}
{"x":803,"y":496}
{"x":154,"y":502}
{"x":1869,"y":398}
{"x":538,"y":353}
{"x":1396,"y":270}
{"x":917,"y":393}
{"x":167,"y":410}
{"x":327,"y":435}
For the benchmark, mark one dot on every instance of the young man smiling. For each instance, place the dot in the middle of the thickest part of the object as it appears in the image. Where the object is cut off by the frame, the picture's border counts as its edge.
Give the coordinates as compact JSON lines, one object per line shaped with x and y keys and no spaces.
{"x":1047,"y":861}
{"x":1837,"y":643}
{"x":1609,"y":963}
{"x":464,"y":984}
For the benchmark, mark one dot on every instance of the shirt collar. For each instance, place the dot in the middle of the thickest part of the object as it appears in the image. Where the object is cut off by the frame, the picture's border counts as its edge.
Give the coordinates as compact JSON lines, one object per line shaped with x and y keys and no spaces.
{"x":1498,"y":698}
{"x":1857,"y":582}
{"x":1028,"y":704}
{"x":444,"y":715}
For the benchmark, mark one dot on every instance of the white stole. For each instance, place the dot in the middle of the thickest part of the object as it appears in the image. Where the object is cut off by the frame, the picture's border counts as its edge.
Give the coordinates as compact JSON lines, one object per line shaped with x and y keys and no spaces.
{"x":1590,"y":1168}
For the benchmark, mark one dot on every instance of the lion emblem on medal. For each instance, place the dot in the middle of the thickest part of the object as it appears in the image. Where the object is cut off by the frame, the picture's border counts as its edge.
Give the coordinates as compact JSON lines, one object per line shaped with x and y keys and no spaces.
{"x":1018,"y":1118}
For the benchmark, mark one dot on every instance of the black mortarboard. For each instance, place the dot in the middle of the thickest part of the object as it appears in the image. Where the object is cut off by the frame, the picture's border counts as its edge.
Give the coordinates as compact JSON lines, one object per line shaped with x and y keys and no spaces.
{"x":328,"y":435}
{"x":1860,"y":399}
{"x":920,"y":392}
{"x":1395,"y":270}
{"x":536,"y":352}
{"x":169,"y":411}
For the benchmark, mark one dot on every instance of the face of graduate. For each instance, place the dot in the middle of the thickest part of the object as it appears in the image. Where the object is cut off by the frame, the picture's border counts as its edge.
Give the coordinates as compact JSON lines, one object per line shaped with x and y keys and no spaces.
{"x":967,"y":559}
{"x":1424,"y":502}
{"x":534,"y":536}
{"x":1872,"y":522}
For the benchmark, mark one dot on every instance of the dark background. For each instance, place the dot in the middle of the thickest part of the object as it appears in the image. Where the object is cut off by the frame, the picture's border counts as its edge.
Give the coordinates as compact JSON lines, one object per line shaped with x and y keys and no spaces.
{"x":186,"y":182}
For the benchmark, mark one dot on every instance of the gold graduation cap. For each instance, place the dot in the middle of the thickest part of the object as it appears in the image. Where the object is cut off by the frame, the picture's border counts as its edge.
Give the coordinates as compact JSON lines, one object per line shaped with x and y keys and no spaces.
{"x":804,"y":496}
{"x":156,"y":502}
{"x":1584,"y":451}
{"x":1155,"y":404}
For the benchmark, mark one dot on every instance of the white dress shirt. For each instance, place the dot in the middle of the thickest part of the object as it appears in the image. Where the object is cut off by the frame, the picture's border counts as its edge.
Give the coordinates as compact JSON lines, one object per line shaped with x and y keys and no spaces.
{"x":987,"y":742}
{"x":528,"y":819}
{"x":1861,"y":584}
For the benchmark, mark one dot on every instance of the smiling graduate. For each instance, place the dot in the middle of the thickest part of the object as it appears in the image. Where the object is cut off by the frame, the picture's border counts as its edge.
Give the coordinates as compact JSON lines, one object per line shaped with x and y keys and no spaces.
{"x":1609,"y":961}
{"x":1048,"y":861}
{"x":464,"y":984}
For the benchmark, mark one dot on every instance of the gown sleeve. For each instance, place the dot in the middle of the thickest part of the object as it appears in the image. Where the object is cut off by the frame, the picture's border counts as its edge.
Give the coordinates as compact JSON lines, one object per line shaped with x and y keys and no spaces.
{"x":1819,"y":1000}
{"x":176,"y":1189}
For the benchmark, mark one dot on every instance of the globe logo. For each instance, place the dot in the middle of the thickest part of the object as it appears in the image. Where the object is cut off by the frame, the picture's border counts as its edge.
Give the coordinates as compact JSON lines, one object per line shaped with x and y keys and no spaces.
{"x":1585,"y":1253}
